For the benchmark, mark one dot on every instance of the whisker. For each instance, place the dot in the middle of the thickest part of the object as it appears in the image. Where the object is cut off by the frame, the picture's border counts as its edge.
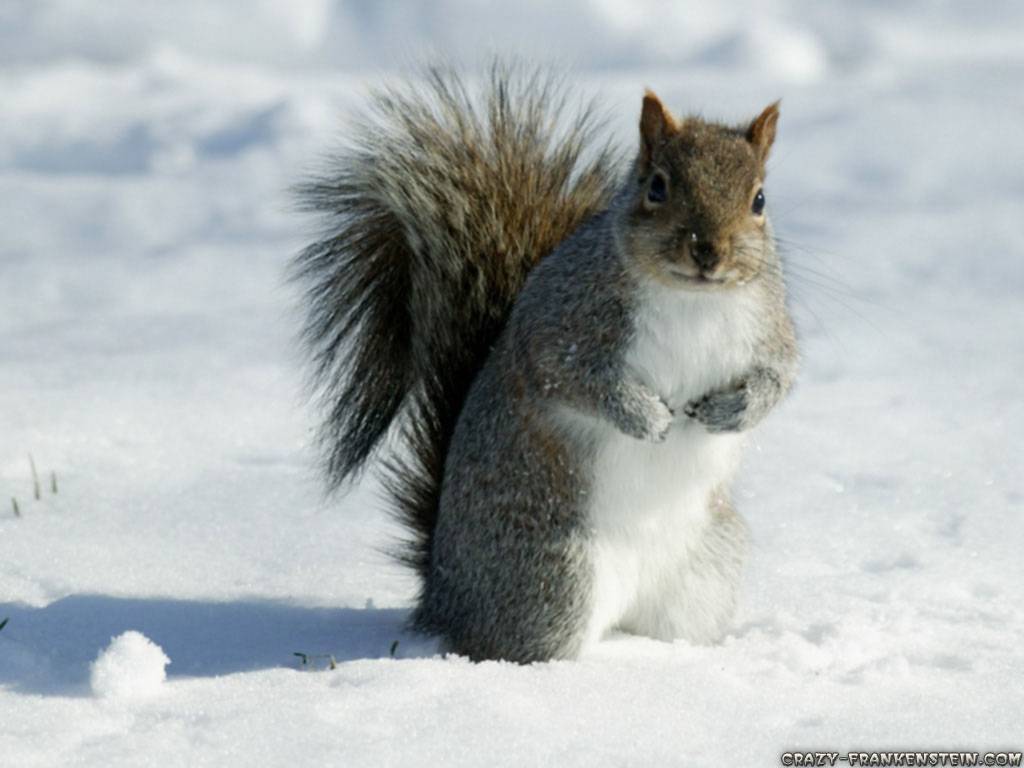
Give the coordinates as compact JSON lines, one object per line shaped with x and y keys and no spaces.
{"x":825,"y":287}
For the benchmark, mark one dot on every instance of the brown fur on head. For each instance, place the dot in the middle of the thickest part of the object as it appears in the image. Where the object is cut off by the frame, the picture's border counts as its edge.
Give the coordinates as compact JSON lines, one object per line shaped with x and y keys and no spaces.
{"x":694,"y":217}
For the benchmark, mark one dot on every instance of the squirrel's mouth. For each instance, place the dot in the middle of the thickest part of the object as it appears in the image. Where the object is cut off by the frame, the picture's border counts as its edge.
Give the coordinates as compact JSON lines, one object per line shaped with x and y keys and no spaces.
{"x":697,"y":280}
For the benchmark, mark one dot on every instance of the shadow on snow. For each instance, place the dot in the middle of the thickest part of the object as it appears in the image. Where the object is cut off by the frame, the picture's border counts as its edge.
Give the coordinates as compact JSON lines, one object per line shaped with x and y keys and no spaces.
{"x":48,"y":650}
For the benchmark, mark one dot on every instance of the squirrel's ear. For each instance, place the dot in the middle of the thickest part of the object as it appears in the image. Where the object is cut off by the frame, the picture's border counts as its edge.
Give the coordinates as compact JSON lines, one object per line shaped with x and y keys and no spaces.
{"x":761,"y":132}
{"x":656,"y":123}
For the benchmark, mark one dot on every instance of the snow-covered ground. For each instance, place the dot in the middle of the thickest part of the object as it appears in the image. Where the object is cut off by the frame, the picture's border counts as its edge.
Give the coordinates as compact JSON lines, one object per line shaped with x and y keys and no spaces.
{"x":147,"y":358}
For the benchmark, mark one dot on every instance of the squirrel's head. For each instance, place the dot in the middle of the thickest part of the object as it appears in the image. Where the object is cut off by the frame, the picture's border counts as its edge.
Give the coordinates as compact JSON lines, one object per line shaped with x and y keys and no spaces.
{"x":694,"y":214}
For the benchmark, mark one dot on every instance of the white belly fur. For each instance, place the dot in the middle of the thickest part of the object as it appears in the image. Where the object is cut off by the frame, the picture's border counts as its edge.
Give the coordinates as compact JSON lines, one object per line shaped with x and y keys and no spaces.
{"x":649,"y":501}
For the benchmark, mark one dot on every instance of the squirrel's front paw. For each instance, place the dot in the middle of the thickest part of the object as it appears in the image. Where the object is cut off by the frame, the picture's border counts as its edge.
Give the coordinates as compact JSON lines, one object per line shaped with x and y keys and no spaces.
{"x":653,"y":418}
{"x":721,"y":411}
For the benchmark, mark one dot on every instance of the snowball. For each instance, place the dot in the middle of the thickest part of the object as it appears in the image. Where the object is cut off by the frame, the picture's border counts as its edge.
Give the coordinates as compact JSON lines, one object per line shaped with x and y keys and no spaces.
{"x":132,"y":666}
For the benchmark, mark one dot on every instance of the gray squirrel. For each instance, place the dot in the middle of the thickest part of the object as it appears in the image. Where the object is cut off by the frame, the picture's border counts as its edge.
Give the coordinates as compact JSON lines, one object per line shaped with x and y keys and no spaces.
{"x":562,"y":352}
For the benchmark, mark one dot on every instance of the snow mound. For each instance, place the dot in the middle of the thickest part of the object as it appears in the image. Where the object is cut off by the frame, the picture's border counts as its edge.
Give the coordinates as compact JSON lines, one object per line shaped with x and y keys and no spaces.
{"x":788,"y":53}
{"x":131,"y":667}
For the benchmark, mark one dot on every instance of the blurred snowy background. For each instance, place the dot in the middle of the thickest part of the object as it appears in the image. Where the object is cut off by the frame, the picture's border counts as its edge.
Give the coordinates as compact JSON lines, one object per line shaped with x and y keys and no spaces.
{"x":147,"y":359}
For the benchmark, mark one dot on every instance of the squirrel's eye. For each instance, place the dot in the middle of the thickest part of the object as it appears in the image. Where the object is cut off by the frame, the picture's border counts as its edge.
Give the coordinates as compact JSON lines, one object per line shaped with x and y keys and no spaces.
{"x":657,"y":191}
{"x":757,"y":207}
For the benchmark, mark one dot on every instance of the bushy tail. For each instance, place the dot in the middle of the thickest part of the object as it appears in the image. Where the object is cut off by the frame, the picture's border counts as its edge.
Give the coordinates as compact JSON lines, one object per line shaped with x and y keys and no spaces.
{"x":437,"y":209}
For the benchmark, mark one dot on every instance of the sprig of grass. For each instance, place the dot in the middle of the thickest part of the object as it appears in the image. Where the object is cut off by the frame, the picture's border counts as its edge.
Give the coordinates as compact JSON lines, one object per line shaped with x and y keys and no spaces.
{"x":35,"y":478}
{"x":305,"y":659}
{"x":37,"y":486}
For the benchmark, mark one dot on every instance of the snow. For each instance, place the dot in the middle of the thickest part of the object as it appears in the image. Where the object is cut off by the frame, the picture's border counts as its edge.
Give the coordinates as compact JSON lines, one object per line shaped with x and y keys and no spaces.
{"x":131,"y":667}
{"x":148,"y":353}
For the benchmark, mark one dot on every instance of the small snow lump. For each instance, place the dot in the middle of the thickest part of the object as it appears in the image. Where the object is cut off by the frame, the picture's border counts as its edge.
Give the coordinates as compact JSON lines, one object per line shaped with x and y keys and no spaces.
{"x":131,"y":667}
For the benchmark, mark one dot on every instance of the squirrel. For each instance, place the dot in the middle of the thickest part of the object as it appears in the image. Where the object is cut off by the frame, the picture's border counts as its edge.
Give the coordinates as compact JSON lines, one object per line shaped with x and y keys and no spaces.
{"x":562,"y":351}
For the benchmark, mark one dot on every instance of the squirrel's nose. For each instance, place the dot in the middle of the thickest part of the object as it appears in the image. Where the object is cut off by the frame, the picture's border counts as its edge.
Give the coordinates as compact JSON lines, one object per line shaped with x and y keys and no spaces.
{"x":705,"y":255}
